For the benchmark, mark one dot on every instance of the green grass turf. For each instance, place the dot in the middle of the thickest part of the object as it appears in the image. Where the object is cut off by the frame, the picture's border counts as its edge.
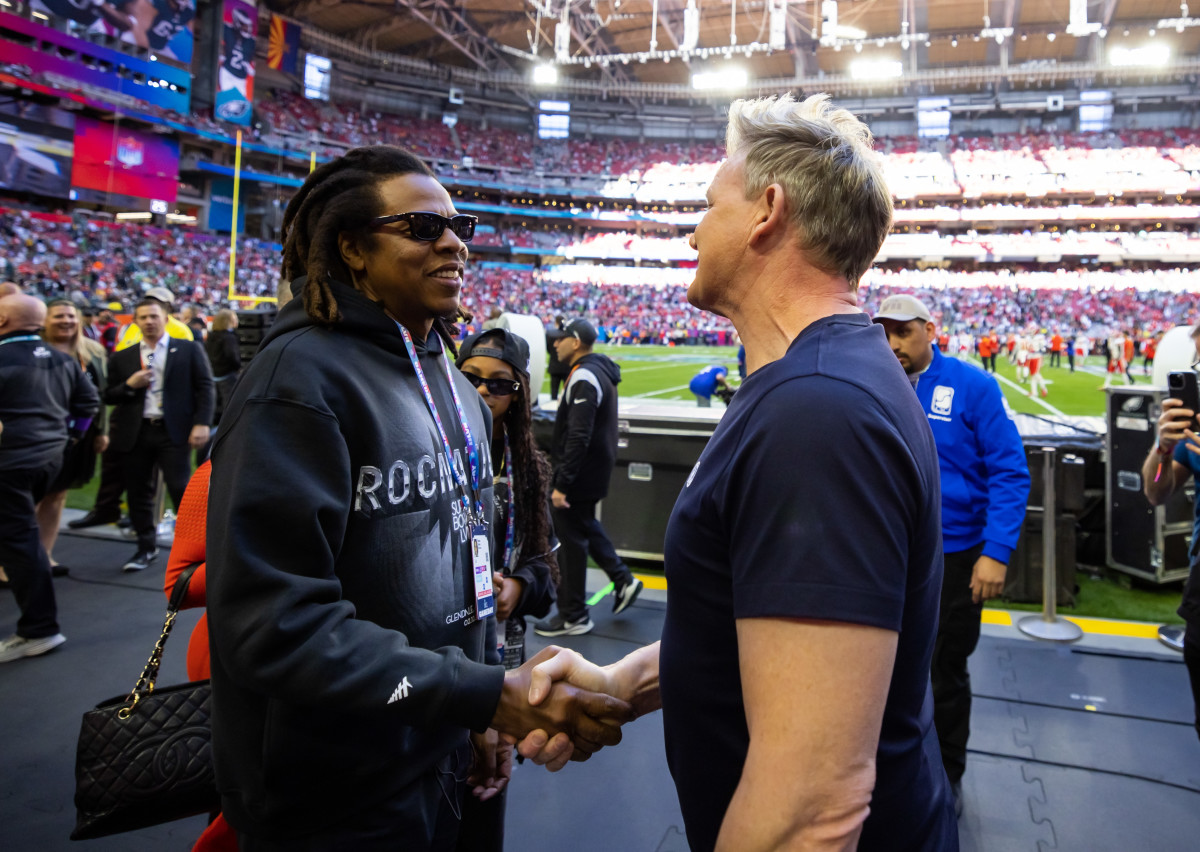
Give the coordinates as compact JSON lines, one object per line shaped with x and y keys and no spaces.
{"x":1115,"y":595}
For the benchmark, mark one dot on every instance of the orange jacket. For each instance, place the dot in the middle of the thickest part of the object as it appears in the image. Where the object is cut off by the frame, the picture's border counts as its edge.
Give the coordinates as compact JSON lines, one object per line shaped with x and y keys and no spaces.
{"x":188,"y":549}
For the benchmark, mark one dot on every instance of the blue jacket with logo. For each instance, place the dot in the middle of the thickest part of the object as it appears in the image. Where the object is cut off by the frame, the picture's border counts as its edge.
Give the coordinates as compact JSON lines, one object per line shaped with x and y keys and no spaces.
{"x":985,"y":478}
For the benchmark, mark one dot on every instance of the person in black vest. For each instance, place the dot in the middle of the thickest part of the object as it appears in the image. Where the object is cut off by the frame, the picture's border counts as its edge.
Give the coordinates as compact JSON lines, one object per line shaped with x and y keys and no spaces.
{"x":584,"y":452}
{"x":45,"y":400}
{"x":163,"y":392}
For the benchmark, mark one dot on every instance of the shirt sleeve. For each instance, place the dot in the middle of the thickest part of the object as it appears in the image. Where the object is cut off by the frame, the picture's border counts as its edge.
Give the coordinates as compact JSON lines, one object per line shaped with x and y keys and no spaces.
{"x":819,"y":502}
{"x":1007,"y":471}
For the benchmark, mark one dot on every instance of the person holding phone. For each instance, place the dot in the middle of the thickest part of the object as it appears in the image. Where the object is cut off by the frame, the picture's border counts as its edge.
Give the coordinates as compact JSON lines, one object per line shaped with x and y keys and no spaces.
{"x":1170,"y":462}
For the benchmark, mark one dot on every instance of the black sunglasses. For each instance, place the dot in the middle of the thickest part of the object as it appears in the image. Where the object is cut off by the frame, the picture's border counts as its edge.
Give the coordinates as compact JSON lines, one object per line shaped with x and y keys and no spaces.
{"x":496,"y":387}
{"x":429,"y":227}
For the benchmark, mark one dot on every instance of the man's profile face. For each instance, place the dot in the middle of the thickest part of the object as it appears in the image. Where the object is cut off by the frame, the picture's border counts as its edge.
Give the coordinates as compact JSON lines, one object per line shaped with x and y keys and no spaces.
{"x":721,"y":236}
{"x":911,"y":342}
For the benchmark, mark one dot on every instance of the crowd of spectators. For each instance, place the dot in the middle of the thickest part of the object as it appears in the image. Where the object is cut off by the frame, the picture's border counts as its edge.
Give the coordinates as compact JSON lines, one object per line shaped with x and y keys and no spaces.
{"x":56,"y":255}
{"x":93,"y":260}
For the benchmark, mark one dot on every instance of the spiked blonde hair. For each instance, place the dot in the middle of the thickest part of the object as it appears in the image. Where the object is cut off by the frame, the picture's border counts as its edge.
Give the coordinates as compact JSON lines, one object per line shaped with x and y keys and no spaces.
{"x":832,"y":184}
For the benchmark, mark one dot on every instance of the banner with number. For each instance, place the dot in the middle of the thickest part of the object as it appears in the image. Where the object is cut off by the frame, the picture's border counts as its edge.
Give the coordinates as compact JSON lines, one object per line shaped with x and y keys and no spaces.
{"x":235,"y":75}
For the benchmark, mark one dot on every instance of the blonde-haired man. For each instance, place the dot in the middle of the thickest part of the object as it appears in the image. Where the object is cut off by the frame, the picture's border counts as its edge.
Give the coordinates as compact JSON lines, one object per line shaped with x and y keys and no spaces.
{"x":803,"y":557}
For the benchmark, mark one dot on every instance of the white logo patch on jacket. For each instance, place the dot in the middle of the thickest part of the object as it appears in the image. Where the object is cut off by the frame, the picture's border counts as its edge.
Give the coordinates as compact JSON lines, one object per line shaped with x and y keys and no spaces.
{"x":943,"y":399}
{"x":401,"y":691}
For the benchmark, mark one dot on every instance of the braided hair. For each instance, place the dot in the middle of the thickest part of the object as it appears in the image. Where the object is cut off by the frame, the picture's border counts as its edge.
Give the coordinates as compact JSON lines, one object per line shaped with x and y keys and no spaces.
{"x":340,"y":197}
{"x":530,"y":477}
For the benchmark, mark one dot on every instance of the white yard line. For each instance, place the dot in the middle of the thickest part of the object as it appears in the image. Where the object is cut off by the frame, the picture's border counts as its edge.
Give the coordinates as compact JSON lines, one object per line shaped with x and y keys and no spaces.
{"x":658,"y":392}
{"x":1024,"y":393}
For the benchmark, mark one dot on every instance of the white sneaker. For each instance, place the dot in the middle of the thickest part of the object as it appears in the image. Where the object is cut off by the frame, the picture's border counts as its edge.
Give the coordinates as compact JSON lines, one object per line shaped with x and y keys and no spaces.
{"x":15,"y":647}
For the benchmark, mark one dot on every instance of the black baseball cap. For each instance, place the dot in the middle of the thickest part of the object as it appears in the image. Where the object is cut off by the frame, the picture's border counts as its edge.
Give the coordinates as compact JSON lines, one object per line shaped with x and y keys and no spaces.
{"x":496,"y":343}
{"x":581,"y":329}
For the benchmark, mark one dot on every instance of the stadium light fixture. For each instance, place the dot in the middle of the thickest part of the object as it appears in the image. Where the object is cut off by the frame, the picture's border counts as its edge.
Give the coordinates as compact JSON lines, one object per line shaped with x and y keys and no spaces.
{"x":876,"y":69}
{"x":1151,"y":55}
{"x":545,"y":75}
{"x":729,"y":78}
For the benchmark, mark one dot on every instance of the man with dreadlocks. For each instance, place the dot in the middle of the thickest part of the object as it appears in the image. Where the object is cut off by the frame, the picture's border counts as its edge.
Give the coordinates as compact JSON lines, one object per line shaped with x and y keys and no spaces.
{"x":349,"y":584}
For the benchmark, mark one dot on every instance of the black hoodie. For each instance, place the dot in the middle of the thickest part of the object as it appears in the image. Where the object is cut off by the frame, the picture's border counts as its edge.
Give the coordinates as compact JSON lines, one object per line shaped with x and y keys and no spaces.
{"x":585,"y":429}
{"x":346,"y":656}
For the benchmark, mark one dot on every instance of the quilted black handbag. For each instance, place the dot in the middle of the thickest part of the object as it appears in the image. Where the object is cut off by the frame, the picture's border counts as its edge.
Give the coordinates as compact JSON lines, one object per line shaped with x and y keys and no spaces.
{"x":146,"y":758}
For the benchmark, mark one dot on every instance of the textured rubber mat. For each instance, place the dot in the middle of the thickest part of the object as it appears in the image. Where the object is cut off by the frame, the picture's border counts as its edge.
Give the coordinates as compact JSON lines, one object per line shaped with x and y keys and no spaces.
{"x":1152,"y":686}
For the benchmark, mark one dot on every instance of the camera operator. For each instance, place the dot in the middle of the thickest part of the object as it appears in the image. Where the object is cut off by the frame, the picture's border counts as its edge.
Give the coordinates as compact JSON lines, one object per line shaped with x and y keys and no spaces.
{"x":708,"y":383}
{"x":1167,"y":467}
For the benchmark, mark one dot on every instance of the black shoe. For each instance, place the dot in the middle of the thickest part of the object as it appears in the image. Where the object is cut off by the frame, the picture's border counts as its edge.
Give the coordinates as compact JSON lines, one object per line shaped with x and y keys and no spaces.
{"x":59,"y":570}
{"x":124,"y":522}
{"x":559,"y":626}
{"x":92,"y":519}
{"x":140,"y":561}
{"x":624,"y":596}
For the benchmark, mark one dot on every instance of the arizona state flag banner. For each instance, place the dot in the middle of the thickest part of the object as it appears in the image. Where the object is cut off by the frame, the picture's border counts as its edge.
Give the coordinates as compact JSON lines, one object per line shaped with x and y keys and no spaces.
{"x":284,"y":45}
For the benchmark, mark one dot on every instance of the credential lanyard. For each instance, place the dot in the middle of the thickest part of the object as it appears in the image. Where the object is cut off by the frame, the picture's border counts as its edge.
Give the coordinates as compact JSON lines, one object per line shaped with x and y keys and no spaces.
{"x":23,"y":338}
{"x":472,"y":452}
{"x":509,"y":537}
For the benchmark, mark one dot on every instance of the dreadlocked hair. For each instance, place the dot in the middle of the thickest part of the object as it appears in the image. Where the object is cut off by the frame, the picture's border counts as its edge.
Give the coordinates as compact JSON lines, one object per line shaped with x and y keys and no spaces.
{"x":342,"y":196}
{"x":529,"y":479}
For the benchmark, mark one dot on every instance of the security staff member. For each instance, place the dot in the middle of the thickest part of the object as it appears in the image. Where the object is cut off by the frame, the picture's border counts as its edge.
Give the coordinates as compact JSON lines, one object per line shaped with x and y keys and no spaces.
{"x":985,"y":487}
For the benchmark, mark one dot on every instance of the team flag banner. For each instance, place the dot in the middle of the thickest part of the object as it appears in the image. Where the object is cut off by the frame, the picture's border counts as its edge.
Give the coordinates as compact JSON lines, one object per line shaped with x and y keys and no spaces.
{"x":284,"y":46}
{"x":235,"y":77}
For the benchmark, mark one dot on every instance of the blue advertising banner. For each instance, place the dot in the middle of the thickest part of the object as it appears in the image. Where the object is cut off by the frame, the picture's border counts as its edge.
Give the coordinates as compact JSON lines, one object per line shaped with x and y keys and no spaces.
{"x":235,"y":75}
{"x":220,"y":207}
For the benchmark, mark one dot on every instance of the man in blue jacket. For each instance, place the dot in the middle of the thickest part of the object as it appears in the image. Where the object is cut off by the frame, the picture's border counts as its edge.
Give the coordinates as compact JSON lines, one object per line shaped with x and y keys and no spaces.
{"x":985,"y":486}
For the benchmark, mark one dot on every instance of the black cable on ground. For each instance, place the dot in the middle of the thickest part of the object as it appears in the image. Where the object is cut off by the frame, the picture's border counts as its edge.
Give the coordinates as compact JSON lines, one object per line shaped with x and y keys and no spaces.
{"x":1081,"y":710}
{"x":1130,"y":775}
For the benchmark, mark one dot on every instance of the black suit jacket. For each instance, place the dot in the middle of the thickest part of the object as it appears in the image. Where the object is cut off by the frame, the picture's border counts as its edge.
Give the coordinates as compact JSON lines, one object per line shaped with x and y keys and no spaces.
{"x":188,"y":395}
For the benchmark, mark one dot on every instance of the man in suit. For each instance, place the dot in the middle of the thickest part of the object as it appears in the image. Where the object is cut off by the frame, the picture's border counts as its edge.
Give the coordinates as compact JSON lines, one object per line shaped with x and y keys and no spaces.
{"x":107,"y":508}
{"x":163,"y":392}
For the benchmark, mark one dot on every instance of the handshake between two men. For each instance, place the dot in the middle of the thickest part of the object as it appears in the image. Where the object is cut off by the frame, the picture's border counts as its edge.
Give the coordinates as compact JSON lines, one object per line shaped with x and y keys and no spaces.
{"x":559,"y":707}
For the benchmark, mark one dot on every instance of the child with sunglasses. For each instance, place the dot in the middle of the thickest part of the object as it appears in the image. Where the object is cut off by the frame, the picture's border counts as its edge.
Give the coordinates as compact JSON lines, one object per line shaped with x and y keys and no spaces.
{"x":496,"y":362}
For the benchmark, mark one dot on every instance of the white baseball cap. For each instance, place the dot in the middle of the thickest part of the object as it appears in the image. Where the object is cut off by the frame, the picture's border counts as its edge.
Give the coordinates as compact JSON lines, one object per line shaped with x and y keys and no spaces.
{"x":903,"y":309}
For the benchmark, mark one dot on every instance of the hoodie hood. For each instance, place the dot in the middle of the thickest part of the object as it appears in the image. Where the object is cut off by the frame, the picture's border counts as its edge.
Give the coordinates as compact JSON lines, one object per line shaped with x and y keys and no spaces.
{"x":601,"y":363}
{"x":360,"y":317}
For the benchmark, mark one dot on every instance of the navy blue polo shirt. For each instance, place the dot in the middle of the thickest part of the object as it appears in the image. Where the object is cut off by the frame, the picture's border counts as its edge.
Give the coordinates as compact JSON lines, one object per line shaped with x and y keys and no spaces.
{"x":817,"y":497}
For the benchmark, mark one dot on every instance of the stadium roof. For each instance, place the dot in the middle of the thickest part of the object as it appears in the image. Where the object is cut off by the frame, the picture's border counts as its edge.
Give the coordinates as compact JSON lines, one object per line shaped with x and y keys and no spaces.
{"x":623,"y":41}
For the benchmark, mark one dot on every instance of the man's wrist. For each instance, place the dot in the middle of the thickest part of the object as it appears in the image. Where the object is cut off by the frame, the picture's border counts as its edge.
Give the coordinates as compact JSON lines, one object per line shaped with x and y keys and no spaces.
{"x":1164,"y":450}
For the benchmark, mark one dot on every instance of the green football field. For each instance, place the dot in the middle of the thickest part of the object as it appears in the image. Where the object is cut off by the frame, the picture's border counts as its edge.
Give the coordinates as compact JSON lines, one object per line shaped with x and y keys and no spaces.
{"x":663,"y":372}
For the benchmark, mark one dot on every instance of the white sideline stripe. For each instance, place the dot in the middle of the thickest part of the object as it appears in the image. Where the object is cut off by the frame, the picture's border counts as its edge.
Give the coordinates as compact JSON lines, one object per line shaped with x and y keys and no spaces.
{"x":659,"y":392}
{"x":625,"y":370}
{"x":1036,"y":399}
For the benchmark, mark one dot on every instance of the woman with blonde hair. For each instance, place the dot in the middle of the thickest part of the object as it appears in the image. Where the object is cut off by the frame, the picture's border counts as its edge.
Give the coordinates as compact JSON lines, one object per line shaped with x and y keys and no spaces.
{"x":64,"y":332}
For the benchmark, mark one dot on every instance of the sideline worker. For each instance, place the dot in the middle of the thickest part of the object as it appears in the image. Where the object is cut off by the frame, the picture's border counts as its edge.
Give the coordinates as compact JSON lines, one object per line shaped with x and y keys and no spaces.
{"x":985,"y":486}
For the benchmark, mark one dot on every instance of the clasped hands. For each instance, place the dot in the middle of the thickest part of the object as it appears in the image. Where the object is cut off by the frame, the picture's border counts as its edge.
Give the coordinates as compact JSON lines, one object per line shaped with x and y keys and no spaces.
{"x":556,"y":707}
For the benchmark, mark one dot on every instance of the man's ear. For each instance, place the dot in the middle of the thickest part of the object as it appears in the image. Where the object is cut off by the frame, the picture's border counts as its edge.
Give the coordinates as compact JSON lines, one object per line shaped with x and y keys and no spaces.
{"x":770,"y":214}
{"x":351,"y":252}
{"x":931,"y":331}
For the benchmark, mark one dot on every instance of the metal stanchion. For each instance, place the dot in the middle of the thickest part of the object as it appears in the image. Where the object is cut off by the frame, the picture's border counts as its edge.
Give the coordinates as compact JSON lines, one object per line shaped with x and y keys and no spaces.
{"x":1172,"y":636}
{"x":1048,"y":625}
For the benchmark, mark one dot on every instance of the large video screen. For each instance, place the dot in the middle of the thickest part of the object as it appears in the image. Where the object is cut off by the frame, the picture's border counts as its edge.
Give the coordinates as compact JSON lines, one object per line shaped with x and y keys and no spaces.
{"x":34,"y":157}
{"x":124,"y":161}
{"x":163,"y":26}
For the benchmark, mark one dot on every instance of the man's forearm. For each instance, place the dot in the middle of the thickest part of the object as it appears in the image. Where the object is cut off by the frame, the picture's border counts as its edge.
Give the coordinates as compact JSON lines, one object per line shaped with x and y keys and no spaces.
{"x":635,"y":679}
{"x":765,"y":816}
{"x":1158,"y":477}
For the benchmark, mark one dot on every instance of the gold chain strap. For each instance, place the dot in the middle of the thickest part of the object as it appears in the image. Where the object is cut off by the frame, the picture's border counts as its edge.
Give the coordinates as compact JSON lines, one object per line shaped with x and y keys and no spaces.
{"x":145,"y":683}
